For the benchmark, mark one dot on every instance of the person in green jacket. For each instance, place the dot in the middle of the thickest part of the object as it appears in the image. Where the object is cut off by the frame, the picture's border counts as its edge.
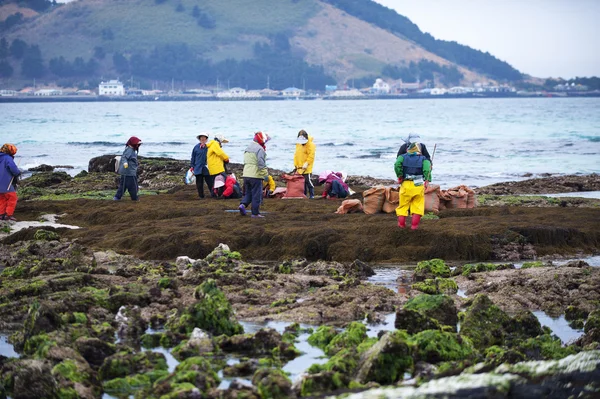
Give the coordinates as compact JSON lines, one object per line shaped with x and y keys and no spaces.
{"x":414,"y":174}
{"x":255,"y":172}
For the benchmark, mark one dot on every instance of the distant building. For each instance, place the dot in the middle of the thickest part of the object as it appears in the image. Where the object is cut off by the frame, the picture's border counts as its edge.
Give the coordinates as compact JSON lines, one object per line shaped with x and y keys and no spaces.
{"x":111,"y":88}
{"x":352,"y":93}
{"x":8,"y":93}
{"x":436,"y":91}
{"x":48,"y":92}
{"x":380,"y":87}
{"x":330,"y":88}
{"x":293,"y":92}
{"x":237,"y":93}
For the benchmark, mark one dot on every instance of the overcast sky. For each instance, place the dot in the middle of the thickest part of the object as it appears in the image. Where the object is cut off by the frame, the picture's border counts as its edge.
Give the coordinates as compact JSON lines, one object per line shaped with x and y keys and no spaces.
{"x":542,"y":38}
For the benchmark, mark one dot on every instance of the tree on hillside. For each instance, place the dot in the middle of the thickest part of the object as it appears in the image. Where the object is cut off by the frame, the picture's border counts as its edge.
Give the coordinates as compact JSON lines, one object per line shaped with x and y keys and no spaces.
{"x":11,"y":21}
{"x":3,"y":48}
{"x":33,"y":64}
{"x":17,"y":48}
{"x":99,"y":52}
{"x":120,"y":63}
{"x":6,"y":70}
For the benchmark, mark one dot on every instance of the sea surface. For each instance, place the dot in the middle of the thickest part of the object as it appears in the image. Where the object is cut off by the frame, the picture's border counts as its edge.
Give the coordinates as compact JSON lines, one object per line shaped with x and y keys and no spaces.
{"x":477,"y":141}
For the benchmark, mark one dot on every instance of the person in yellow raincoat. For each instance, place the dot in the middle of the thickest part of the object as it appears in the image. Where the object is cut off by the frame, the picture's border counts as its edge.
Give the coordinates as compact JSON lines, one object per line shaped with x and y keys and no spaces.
{"x":304,"y":159}
{"x":414,"y":174}
{"x":216,"y":159}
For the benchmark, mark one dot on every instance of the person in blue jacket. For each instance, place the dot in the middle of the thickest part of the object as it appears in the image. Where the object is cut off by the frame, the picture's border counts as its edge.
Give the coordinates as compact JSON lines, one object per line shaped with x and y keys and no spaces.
{"x":9,"y":172}
{"x":128,"y":167}
{"x":199,"y":165}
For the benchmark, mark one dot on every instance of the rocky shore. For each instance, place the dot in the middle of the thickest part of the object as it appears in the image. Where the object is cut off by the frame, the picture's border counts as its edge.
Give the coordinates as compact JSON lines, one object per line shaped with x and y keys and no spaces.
{"x":143,"y":300}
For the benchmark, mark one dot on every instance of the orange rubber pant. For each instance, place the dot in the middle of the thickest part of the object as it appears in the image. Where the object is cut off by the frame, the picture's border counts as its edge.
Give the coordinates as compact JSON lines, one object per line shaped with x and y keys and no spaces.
{"x":8,"y":203}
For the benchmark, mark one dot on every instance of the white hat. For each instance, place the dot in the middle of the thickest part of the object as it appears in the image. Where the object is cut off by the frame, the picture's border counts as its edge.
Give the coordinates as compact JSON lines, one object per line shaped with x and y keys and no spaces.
{"x":206,"y":134}
{"x":221,"y":138}
{"x":301,"y":140}
{"x":219,"y":181}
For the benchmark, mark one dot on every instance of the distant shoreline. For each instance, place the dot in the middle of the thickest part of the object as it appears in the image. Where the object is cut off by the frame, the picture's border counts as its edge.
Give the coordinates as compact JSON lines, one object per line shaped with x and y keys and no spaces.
{"x":46,"y":99}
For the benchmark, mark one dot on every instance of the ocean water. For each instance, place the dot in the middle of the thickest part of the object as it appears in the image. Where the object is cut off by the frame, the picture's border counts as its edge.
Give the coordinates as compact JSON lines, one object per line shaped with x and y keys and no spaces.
{"x":478,"y":141}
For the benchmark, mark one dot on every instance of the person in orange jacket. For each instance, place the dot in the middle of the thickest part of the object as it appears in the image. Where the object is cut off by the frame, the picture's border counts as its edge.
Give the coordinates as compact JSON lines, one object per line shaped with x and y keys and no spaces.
{"x":304,"y":159}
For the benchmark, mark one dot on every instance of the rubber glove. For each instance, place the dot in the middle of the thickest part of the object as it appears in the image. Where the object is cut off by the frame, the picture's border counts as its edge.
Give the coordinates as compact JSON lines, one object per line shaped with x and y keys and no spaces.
{"x":305,"y":165}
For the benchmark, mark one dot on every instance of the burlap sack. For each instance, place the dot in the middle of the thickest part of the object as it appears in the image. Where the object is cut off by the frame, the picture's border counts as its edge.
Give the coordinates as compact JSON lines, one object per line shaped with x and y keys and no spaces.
{"x":455,"y":198}
{"x":432,"y":198}
{"x":294,"y":186}
{"x":373,"y":200}
{"x":392,"y":199}
{"x":350,"y":206}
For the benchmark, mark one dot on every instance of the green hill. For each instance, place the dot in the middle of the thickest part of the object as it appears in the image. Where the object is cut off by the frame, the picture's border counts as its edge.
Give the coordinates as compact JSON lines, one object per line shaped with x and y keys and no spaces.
{"x":285,"y":42}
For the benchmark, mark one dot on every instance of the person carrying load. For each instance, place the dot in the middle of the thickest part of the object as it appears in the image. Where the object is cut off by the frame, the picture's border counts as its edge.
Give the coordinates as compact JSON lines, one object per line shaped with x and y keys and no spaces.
{"x":304,"y":159}
{"x":414,"y":174}
{"x":216,"y":159}
{"x":334,"y":186}
{"x":199,"y":165}
{"x":9,"y":172}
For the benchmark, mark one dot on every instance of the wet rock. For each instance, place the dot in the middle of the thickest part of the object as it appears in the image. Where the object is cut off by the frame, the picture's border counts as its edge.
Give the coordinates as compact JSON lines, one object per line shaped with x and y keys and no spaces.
{"x":387,"y":360}
{"x":221,"y":251}
{"x":42,"y":168}
{"x":434,"y":346}
{"x":124,"y":364}
{"x":94,"y":350}
{"x":553,"y":184}
{"x":593,"y":321}
{"x":46,"y":179}
{"x":438,"y":307}
{"x":238,"y":390}
{"x":470,"y":268}
{"x":33,"y":380}
{"x":322,"y":337}
{"x":265,"y":341}
{"x":351,"y":337}
{"x":414,"y":321}
{"x":41,"y":318}
{"x":319,"y":384}
{"x":436,"y":286}
{"x":576,"y":263}
{"x":430,"y":269}
{"x":130,"y":325}
{"x":183,"y":262}
{"x":273,"y":383}
{"x":199,"y":344}
{"x":191,"y":378}
{"x":496,"y":355}
{"x":242,"y":369}
{"x":212,"y":313}
{"x":484,"y":323}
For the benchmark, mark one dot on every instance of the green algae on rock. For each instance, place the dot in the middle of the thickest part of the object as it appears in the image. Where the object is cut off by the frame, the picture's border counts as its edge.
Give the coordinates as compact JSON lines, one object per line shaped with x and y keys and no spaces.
{"x":438,"y":307}
{"x":436,"y":286}
{"x":435,"y":346}
{"x":272,"y":383}
{"x":470,"y":268}
{"x":429,"y":269}
{"x":414,"y":321}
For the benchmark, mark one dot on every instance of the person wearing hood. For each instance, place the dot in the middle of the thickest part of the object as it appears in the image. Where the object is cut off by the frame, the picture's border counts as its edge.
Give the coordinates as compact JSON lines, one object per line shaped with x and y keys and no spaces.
{"x":9,"y":173}
{"x":413,"y":137}
{"x":199,"y":165}
{"x":334,"y":186}
{"x":128,"y":167}
{"x":304,"y":159}
{"x":255,"y":172}
{"x":414,"y":174}
{"x":216,"y":158}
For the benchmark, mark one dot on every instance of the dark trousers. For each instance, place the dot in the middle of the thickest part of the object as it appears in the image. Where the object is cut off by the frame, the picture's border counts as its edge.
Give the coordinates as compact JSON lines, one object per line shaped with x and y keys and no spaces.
{"x":200,"y":179}
{"x":308,"y":185}
{"x":128,"y":183}
{"x":252,"y":193}
{"x":338,"y":190}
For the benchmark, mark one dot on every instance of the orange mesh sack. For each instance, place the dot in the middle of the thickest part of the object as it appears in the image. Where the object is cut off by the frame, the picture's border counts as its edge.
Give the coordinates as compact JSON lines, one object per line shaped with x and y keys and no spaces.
{"x":373,"y":200}
{"x":350,"y":206}
{"x":432,"y":198}
{"x":392,"y":199}
{"x":295,"y":186}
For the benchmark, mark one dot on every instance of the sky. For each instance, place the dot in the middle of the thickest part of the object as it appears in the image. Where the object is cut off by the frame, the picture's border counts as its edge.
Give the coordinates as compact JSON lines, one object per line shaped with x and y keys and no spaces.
{"x":542,"y":38}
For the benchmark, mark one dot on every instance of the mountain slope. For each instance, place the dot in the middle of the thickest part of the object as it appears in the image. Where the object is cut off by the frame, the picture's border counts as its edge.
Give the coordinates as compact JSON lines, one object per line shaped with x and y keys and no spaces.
{"x":245,"y":43}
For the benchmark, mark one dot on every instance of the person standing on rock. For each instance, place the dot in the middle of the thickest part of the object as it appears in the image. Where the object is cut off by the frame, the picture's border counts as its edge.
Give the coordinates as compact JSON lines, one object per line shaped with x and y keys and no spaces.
{"x":216,"y":159}
{"x":304,"y":159}
{"x":199,"y":165}
{"x":414,"y":174}
{"x":9,"y":173}
{"x":128,"y":167}
{"x":255,"y":172}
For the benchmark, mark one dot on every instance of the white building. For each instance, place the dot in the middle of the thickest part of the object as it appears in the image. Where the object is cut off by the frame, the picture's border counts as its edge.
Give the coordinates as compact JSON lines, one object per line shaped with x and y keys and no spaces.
{"x":48,"y":92}
{"x":293,"y":92}
{"x":111,"y":88}
{"x":380,"y":87}
{"x":238,"y":93}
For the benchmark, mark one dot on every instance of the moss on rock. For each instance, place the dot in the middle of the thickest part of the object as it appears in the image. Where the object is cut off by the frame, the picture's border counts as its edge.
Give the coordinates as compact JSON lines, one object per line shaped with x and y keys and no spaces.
{"x":272,"y":383}
{"x":322,"y":337}
{"x":387,"y":360}
{"x":436,"y":286}
{"x":433,"y":346}
{"x":414,"y":321}
{"x":354,"y":334}
{"x":484,"y":323}
{"x":438,"y":307}
{"x":431,"y":269}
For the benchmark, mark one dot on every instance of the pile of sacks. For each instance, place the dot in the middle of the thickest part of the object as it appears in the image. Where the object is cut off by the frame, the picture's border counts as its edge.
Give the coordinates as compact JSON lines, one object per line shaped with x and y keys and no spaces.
{"x":385,"y":199}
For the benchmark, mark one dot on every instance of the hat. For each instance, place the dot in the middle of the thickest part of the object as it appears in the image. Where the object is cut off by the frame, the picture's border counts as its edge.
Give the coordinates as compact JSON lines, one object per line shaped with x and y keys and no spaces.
{"x":220,"y":138}
{"x":205,"y":134}
{"x":219,"y":181}
{"x":414,"y":148}
{"x":134,"y":142}
{"x":9,"y":149}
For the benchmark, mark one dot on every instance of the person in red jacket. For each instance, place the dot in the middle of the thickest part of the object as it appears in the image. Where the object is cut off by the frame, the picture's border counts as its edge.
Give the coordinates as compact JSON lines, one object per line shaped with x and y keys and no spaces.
{"x":226,"y":188}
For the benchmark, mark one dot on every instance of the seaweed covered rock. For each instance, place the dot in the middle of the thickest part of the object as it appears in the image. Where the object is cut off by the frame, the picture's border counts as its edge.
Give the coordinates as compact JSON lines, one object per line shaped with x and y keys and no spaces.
{"x":94,"y":350}
{"x":592,"y":322}
{"x":265,"y":341}
{"x":524,"y":325}
{"x":414,"y":321}
{"x":124,"y":364}
{"x":438,"y":307}
{"x":41,"y":318}
{"x":545,"y":347}
{"x":322,"y":337}
{"x":194,"y":375}
{"x":30,"y":379}
{"x":387,"y":360}
{"x":471,"y":268}
{"x":353,"y":336}
{"x":434,"y":346}
{"x":212,"y":313}
{"x":131,"y":326}
{"x":199,"y":344}
{"x":46,"y":179}
{"x":321,"y":383}
{"x":436,"y":286}
{"x":484,"y":323}
{"x":431,"y":269}
{"x":272,"y":384}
